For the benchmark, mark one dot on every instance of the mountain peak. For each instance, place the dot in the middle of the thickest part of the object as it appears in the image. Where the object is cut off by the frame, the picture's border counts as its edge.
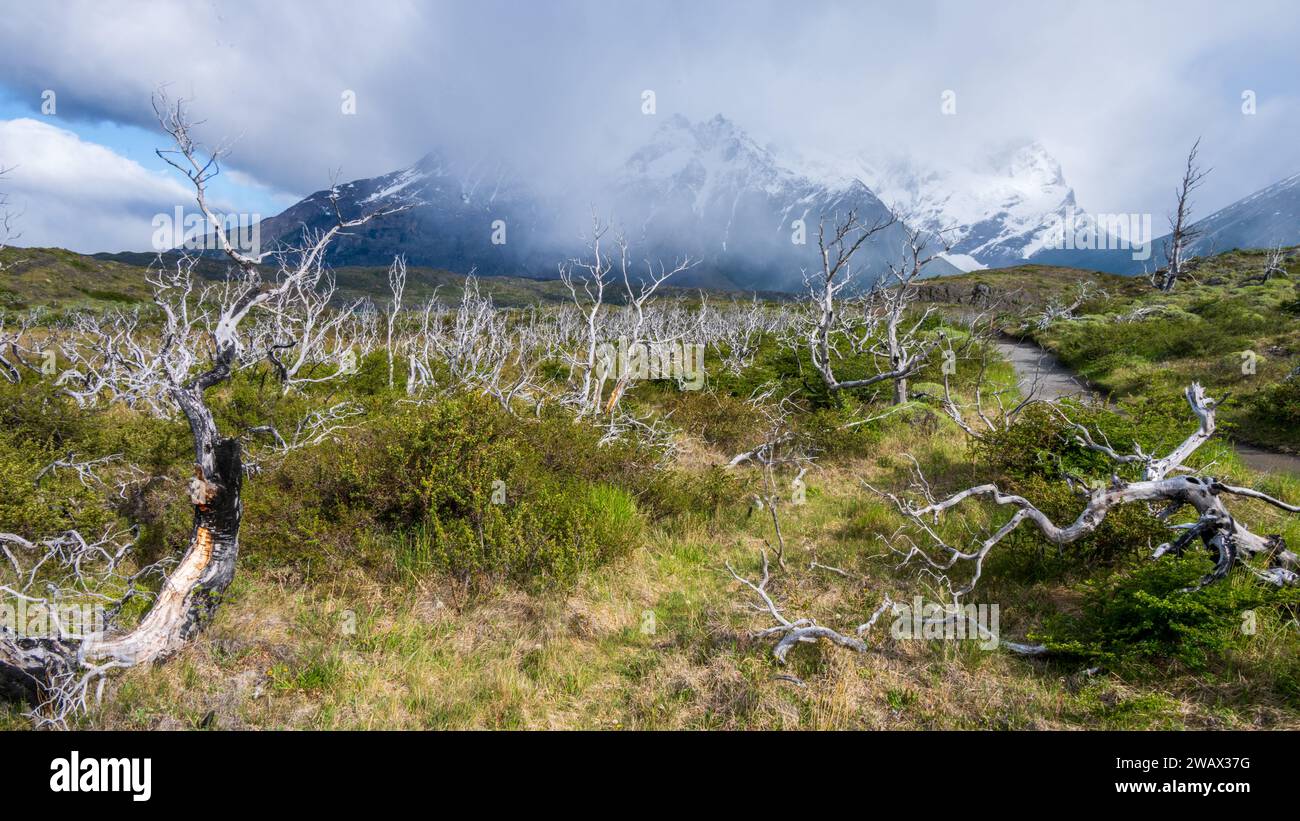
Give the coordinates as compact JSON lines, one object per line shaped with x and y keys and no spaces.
{"x":705,"y":134}
{"x":700,"y":150}
{"x":996,"y":210}
{"x":1029,"y":160}
{"x":431,"y":164}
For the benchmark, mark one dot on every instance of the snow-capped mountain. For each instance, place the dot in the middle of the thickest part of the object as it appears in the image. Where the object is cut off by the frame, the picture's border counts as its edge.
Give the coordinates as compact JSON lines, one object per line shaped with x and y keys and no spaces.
{"x":709,"y":190}
{"x":747,"y":214}
{"x":1266,"y":218}
{"x":998,"y":213}
{"x":704,"y":190}
{"x":452,"y":222}
{"x":1269,"y":217}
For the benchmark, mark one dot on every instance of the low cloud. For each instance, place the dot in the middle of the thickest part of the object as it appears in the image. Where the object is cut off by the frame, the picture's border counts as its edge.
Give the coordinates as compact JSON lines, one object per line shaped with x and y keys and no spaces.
{"x":75,"y":194}
{"x":1116,"y":91}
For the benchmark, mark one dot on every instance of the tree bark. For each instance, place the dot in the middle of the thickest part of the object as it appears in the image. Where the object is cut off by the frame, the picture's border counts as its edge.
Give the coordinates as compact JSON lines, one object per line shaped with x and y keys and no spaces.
{"x":186,"y":603}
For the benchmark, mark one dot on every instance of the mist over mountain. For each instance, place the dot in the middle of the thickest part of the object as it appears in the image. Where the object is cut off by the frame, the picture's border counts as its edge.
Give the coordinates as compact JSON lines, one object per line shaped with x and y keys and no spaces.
{"x":996,"y":214}
{"x":745,"y":214}
{"x":450,"y":225}
{"x":1265,"y":219}
{"x":703,"y":190}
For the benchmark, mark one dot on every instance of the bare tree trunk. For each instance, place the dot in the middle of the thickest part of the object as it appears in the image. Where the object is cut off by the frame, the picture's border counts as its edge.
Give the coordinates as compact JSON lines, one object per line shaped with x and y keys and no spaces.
{"x":900,"y":390}
{"x":1181,"y":232}
{"x":55,"y":672}
{"x":189,"y":598}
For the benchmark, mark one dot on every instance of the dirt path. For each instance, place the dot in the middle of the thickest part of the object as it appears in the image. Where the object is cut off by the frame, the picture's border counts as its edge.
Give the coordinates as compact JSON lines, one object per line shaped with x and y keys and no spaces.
{"x":1036,"y":367}
{"x":1054,"y":380}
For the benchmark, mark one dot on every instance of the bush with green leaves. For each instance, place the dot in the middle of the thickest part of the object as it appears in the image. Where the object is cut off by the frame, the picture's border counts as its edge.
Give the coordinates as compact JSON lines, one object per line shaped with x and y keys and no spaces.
{"x":1277,"y":408}
{"x":1155,"y":612}
{"x":472,"y":491}
{"x":1036,"y":455}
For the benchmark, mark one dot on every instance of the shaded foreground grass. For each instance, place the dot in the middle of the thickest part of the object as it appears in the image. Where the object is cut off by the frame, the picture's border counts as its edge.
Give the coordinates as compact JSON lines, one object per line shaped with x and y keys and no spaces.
{"x":660,"y":639}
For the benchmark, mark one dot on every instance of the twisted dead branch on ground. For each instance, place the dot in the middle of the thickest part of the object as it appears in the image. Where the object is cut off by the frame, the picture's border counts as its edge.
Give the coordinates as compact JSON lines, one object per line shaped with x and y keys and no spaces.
{"x":805,"y":630}
{"x":1058,"y":310}
{"x":1165,"y":481}
{"x":1219,"y":531}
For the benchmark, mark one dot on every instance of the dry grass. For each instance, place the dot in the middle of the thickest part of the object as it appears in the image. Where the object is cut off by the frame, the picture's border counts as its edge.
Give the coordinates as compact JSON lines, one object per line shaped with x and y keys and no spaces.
{"x":658,"y":640}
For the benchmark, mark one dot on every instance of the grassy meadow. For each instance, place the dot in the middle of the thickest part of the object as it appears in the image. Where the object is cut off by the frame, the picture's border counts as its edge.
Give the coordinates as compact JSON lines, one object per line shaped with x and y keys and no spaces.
{"x":381,"y":585}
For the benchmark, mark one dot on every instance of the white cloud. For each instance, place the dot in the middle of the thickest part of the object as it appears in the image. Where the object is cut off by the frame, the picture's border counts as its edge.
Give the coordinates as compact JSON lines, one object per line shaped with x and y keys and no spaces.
{"x":76,"y":194}
{"x":1116,"y":90}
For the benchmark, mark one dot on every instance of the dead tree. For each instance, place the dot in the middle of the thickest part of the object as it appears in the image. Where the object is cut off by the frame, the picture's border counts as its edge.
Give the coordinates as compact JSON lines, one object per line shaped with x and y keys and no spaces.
{"x":518,"y":376}
{"x":837,"y":273}
{"x":56,"y":672}
{"x":305,"y":325}
{"x":883,"y":331}
{"x":590,"y":276}
{"x":10,"y":341}
{"x":1182,"y":233}
{"x":905,"y":349}
{"x":396,"y":284}
{"x":7,"y":219}
{"x":420,"y":348}
{"x":14,"y":351}
{"x":314,"y":428}
{"x":1274,"y":266}
{"x":782,"y":447}
{"x":993,"y":410}
{"x":1059,"y":310}
{"x":472,"y":341}
{"x":736,"y":333}
{"x":1228,"y":540}
{"x":587,"y":280}
{"x":630,"y":325}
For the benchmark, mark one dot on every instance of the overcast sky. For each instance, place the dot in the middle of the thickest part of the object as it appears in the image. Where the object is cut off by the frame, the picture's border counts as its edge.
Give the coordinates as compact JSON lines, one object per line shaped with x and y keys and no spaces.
{"x":1116,"y":91}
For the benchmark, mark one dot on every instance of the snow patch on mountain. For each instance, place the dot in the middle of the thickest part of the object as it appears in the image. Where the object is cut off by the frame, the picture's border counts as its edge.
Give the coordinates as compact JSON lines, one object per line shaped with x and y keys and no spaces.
{"x":393,"y":184}
{"x":999,"y":212}
{"x":964,"y":262}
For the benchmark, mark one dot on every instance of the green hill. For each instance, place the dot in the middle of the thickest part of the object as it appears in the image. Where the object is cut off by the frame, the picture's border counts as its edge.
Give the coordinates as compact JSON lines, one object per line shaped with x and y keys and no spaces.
{"x":55,"y":278}
{"x":31,"y":277}
{"x":1229,"y":330}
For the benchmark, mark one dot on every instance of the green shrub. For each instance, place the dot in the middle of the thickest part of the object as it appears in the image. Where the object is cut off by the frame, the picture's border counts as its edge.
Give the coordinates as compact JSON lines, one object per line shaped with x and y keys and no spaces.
{"x":679,"y":497}
{"x":1278,"y":406}
{"x":1035,"y":456}
{"x":1145,"y":615}
{"x":720,"y":419}
{"x":32,"y":411}
{"x":549,"y":537}
{"x":429,"y":474}
{"x":58,"y":502}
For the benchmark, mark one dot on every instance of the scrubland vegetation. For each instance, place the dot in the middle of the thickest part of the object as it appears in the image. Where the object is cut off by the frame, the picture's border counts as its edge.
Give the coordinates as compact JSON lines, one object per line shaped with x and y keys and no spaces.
{"x":447,"y":560}
{"x":1235,"y":330}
